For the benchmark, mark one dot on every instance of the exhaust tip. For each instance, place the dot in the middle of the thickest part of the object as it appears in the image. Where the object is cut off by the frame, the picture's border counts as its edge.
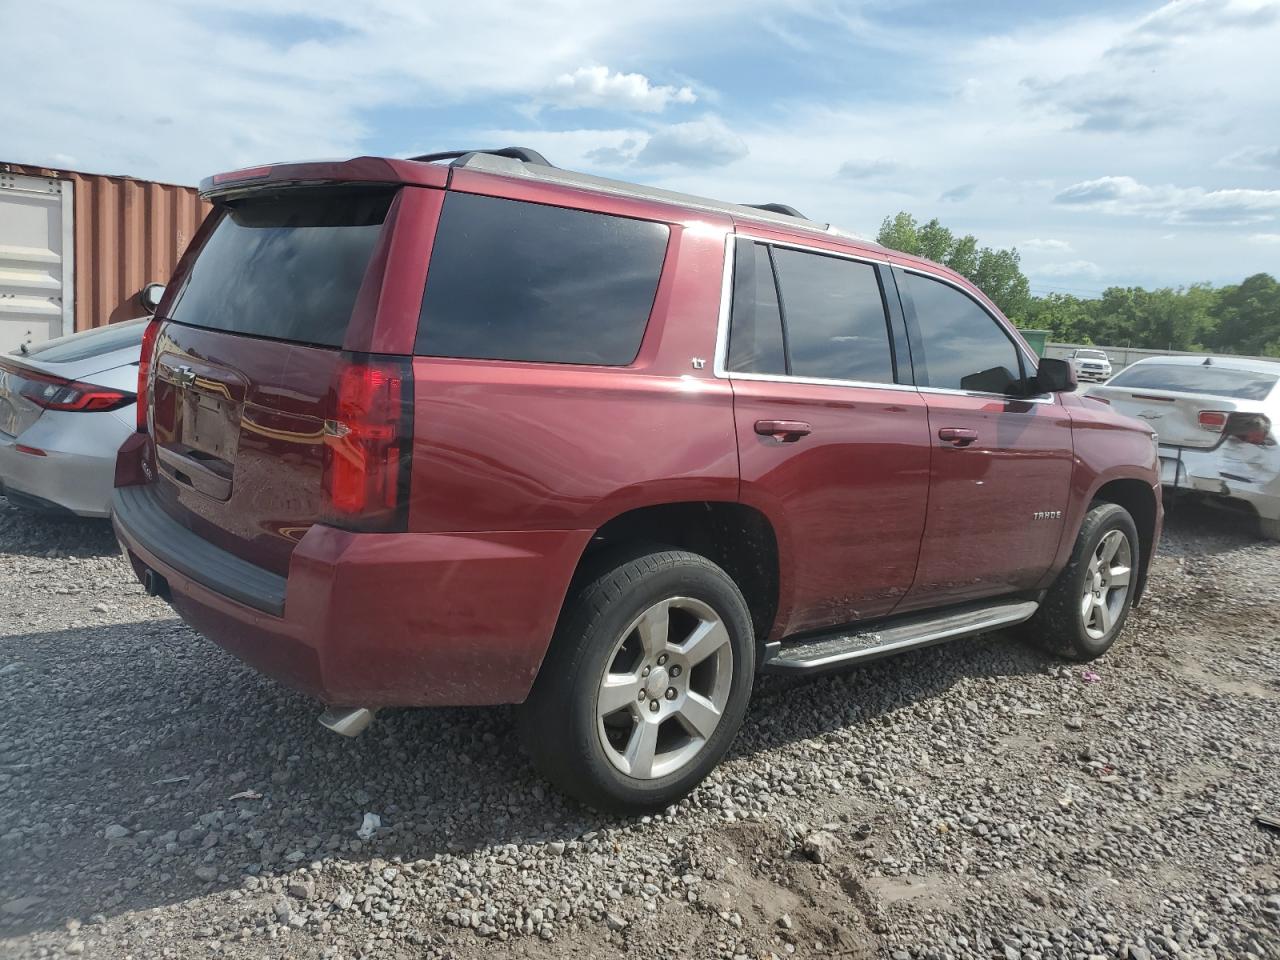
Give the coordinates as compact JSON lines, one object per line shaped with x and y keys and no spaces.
{"x":347,"y":721}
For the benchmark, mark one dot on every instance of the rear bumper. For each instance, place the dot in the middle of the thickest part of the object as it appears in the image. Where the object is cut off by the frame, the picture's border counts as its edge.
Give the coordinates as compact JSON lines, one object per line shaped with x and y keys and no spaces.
{"x":372,"y":620}
{"x":77,"y":468}
{"x":1253,"y":478}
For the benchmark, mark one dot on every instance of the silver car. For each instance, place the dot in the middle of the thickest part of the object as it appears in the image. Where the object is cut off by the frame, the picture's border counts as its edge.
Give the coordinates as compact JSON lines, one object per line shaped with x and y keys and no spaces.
{"x":1216,"y":419}
{"x":65,"y":407}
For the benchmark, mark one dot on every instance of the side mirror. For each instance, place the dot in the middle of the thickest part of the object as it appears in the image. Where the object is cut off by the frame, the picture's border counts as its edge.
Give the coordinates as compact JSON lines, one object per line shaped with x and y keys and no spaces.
{"x":1054,"y":376}
{"x":150,"y":296}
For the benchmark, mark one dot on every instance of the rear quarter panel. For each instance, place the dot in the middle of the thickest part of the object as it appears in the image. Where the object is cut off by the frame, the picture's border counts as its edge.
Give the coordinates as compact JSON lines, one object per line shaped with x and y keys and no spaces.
{"x":503,"y":445}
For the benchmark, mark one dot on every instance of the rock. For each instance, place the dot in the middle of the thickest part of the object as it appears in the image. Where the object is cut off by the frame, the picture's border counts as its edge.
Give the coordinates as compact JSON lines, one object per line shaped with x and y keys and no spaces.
{"x":115,"y":832}
{"x":75,"y":947}
{"x":820,"y":846}
{"x":206,"y":873}
{"x":1139,"y":953}
{"x":343,"y":900}
{"x":615,"y":922}
{"x":369,"y":826}
{"x":1074,"y":723}
{"x":302,"y":889}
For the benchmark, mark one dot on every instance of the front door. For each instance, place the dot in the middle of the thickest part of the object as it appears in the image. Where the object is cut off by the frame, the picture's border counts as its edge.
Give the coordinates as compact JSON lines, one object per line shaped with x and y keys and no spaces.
{"x":832,"y":447}
{"x":1000,"y":470}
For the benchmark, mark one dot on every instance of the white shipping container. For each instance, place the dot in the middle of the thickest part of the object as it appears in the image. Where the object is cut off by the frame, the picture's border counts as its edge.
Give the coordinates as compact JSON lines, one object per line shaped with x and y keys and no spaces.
{"x":37,"y":250}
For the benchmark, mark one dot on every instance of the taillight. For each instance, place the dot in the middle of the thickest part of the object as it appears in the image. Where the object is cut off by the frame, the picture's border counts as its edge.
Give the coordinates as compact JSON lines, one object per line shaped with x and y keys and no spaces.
{"x":1212,"y":420}
{"x":368,"y":433}
{"x":1249,"y":428}
{"x":145,"y":360}
{"x":58,"y":393}
{"x":54,"y":393}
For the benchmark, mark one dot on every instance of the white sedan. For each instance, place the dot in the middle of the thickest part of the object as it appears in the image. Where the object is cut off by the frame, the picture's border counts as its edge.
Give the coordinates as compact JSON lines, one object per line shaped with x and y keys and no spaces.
{"x":65,"y":408}
{"x":1216,"y":422}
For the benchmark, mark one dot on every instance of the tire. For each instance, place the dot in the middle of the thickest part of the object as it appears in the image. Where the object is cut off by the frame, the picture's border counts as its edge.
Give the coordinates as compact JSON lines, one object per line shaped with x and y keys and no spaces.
{"x":1269,"y":529}
{"x":1061,"y":625}
{"x":611,"y":627}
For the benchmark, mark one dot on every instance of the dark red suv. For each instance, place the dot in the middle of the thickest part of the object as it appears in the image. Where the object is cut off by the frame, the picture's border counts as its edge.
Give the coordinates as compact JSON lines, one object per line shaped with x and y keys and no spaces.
{"x":471,"y":429}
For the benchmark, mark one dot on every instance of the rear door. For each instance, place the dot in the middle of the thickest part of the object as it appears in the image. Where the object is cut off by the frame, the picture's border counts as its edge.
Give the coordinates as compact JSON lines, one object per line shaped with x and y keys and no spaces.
{"x":832,"y":439}
{"x":242,"y":370}
{"x":1001,"y":463}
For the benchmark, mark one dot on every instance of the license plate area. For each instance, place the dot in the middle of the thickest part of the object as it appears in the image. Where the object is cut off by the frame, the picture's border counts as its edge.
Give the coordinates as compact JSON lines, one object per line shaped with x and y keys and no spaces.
{"x":197,"y":423}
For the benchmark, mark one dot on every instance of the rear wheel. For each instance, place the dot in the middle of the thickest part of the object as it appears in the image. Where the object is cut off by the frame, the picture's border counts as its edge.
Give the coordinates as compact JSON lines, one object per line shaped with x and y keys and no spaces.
{"x":645,"y":684}
{"x":1086,"y":608}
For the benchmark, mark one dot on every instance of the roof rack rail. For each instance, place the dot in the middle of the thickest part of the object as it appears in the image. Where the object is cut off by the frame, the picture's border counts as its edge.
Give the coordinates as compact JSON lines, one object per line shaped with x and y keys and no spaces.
{"x":782,"y":208}
{"x":523,"y":154}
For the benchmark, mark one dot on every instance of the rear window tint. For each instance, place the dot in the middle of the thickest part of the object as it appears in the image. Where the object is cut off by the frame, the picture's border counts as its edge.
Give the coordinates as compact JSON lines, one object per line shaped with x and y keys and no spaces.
{"x":510,"y":280}
{"x":286,"y":267}
{"x":90,"y":343}
{"x":835,"y":319}
{"x":1186,"y":378}
{"x":755,"y":331}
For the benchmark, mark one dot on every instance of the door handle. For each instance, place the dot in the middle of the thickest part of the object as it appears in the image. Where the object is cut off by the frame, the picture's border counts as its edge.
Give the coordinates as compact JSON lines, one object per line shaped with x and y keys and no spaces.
{"x":784,"y":431}
{"x":957,"y":436}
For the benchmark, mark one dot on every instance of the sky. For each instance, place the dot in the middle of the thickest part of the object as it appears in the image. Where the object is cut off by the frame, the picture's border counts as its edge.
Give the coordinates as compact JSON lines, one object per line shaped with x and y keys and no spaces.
{"x":1111,"y":142}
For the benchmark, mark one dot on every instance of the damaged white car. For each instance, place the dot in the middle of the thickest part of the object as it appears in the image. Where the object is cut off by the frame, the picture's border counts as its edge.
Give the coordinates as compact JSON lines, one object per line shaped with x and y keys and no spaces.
{"x":1216,"y":422}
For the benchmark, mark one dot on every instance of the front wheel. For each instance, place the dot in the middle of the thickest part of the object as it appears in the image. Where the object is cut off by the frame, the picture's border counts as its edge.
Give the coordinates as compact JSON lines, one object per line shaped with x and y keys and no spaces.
{"x":1086,"y":608}
{"x":646,"y":682}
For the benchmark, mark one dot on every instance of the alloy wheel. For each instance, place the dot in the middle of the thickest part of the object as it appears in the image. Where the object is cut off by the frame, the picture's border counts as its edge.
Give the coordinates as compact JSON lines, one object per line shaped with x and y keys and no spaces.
{"x":665,"y":688}
{"x":1106,"y":584}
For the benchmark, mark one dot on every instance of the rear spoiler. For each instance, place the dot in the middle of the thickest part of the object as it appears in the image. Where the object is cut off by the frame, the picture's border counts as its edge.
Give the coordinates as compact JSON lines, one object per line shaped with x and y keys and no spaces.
{"x":222,"y":186}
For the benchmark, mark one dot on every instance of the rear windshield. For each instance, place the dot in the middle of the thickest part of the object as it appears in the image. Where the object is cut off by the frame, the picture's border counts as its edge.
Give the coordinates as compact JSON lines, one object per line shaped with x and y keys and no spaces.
{"x":511,"y":280}
{"x":286,"y":267}
{"x":90,"y":343}
{"x":1216,"y":381}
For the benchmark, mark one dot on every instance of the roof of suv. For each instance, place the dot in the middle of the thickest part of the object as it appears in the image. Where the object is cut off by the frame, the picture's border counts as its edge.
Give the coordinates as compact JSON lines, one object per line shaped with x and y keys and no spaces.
{"x":514,"y":162}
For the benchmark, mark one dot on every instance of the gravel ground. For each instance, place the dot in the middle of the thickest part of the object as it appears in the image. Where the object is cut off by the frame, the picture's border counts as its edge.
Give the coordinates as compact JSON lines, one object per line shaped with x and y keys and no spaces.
{"x":972,"y":800}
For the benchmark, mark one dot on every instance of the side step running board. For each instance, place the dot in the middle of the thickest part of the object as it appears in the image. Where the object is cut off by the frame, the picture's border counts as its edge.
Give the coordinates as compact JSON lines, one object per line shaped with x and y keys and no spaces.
{"x":830,"y":651}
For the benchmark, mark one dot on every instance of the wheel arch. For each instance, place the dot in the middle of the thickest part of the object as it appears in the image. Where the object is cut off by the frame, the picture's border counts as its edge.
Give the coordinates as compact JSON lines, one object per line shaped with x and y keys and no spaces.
{"x":738,"y":538}
{"x":1139,"y":499}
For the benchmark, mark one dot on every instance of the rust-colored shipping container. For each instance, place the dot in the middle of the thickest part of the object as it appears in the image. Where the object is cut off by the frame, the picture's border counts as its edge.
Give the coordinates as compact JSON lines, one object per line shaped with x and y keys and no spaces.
{"x":76,"y":248}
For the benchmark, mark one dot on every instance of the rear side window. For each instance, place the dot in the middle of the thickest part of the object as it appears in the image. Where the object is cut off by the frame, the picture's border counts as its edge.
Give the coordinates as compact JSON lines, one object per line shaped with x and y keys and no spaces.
{"x":286,"y":267}
{"x":961,"y":346}
{"x":834,"y":317}
{"x":1197,"y":378}
{"x":522,"y":281}
{"x":755,"y":329}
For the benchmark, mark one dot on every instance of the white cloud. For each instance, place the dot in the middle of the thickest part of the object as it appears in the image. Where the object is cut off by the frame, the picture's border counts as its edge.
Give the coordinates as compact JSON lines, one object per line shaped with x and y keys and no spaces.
{"x":213,"y":89}
{"x":1069,"y":268}
{"x":866,"y":168}
{"x":1037,"y":245}
{"x":1272,"y":239}
{"x":600,"y":88}
{"x":698,"y":143}
{"x":1254,"y":158}
{"x":1195,"y":205}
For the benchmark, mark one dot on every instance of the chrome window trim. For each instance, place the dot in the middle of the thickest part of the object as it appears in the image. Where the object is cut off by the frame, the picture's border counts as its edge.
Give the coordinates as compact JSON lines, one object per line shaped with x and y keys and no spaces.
{"x":1003,"y":324}
{"x":726,"y":308}
{"x":1007,"y":398}
{"x":721,"y":372}
{"x":820,"y":382}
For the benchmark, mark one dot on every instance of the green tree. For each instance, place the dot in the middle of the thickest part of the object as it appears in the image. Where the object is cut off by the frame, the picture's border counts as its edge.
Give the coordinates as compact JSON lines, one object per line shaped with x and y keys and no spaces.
{"x":1248,"y":317}
{"x":997,"y":273}
{"x":1165,"y":319}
